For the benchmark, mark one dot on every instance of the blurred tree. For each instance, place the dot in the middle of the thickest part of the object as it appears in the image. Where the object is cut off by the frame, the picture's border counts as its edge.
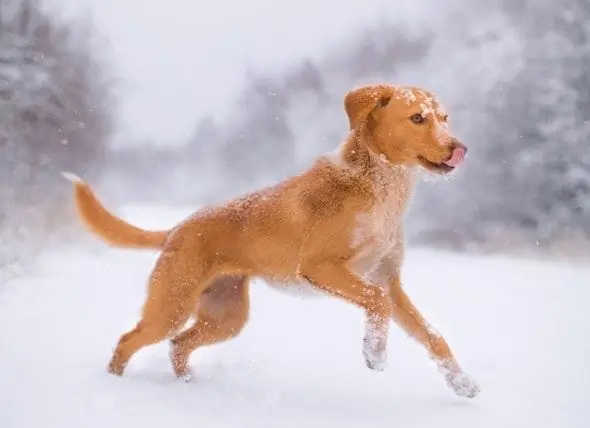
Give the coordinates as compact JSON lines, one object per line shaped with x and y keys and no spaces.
{"x":55,"y":96}
{"x":260,"y":134}
{"x":538,"y":139}
{"x":279,"y":123}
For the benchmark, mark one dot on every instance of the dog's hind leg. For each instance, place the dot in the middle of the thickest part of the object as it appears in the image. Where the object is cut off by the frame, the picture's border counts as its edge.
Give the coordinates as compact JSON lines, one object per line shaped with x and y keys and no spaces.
{"x":173,"y":292}
{"x":222,"y":313}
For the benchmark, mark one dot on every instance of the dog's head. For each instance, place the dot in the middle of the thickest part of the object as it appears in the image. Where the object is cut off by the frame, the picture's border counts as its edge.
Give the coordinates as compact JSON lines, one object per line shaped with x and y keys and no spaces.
{"x":405,"y":126}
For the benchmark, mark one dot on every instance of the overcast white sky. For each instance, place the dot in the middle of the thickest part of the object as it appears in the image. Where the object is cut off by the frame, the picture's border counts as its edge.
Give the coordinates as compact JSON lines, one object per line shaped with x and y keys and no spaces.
{"x":180,"y":59}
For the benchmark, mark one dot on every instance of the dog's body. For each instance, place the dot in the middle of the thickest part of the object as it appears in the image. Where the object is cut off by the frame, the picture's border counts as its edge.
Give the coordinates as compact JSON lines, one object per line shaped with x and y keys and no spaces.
{"x":336,"y":228}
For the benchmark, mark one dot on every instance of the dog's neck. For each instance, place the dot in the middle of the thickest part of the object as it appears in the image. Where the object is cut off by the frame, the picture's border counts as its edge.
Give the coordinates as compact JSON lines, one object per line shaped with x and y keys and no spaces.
{"x":387,"y":181}
{"x":357,"y":154}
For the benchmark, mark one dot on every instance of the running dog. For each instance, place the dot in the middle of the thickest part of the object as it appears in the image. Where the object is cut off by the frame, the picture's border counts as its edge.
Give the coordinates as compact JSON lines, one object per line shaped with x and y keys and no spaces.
{"x":337,"y":227}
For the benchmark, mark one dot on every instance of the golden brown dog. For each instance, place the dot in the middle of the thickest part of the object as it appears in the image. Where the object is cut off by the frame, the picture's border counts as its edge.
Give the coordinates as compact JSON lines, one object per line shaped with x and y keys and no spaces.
{"x":337,"y":227}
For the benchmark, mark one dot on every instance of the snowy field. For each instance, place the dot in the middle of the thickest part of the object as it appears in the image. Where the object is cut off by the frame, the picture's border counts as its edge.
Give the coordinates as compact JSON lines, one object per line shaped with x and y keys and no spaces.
{"x":520,"y":328}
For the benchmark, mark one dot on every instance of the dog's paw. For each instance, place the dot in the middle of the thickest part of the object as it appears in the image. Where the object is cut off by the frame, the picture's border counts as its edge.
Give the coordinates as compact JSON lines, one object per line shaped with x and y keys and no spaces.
{"x":462,"y":384}
{"x":377,"y":362}
{"x":375,"y":359}
{"x":115,"y":367}
{"x":186,"y":377}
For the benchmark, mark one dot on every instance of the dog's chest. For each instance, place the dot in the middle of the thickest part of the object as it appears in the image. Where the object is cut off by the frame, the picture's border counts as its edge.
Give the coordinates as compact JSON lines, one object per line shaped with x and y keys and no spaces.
{"x":378,"y":227}
{"x":378,"y":233}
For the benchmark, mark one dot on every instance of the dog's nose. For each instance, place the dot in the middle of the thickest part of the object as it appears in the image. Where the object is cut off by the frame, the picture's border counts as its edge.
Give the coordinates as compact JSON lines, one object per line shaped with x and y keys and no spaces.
{"x":456,"y":144}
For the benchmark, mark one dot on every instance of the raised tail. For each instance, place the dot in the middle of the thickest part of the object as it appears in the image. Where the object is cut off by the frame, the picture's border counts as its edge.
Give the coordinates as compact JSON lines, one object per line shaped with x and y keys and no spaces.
{"x":106,"y":225}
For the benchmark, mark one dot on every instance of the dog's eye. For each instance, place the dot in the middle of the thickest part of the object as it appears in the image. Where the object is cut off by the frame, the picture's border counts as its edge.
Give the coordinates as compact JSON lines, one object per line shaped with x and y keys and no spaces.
{"x":417,"y":118}
{"x":445,"y":118}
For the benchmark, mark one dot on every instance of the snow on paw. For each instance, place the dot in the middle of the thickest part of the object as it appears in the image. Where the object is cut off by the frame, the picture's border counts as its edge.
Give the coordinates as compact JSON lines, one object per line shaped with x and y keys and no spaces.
{"x":375,"y":359}
{"x":186,"y":377}
{"x":462,"y":384}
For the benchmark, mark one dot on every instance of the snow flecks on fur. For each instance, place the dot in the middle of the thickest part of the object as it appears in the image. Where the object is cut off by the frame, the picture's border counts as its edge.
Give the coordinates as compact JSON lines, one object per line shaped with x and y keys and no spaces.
{"x":406,"y":93}
{"x":336,"y":156}
{"x":427,"y":109}
{"x":427,"y":102}
{"x":432,"y":331}
{"x":440,"y":110}
{"x":384,"y":159}
{"x":442,"y":132}
{"x":431,"y":106}
{"x":375,"y":344}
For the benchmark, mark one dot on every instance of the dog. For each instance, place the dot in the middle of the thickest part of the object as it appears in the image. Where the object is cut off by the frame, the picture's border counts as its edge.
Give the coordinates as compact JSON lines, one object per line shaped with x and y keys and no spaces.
{"x":337,"y":227}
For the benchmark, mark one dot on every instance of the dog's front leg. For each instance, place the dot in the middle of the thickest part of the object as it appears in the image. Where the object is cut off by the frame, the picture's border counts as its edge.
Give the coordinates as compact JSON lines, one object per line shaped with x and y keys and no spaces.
{"x":336,"y":279}
{"x":409,"y":318}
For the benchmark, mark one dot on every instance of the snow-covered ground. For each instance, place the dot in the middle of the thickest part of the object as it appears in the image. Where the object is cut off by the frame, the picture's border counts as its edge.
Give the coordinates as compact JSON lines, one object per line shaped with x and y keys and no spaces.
{"x":521,"y":328}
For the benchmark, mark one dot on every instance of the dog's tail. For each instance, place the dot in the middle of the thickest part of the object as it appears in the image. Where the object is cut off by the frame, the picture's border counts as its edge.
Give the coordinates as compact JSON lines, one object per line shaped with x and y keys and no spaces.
{"x":106,"y":225}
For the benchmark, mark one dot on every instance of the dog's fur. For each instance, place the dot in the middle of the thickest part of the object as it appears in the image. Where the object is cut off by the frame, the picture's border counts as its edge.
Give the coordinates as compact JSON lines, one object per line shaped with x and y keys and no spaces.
{"x":336,"y":227}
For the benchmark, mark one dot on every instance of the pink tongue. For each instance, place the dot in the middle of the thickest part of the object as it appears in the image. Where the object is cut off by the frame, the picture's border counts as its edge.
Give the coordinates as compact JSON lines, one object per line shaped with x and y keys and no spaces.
{"x":456,"y":158}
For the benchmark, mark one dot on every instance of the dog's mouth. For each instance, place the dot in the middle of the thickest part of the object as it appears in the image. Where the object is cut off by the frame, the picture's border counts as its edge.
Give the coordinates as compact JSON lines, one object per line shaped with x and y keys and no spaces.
{"x":441,"y":168}
{"x":455,"y":159}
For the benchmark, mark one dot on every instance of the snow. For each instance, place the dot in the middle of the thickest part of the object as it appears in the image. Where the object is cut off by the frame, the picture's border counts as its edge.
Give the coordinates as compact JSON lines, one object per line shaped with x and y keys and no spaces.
{"x":519,"y":327}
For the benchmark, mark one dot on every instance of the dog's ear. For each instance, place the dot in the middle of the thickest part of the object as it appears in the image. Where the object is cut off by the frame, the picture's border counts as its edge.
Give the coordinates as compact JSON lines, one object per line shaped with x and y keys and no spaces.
{"x":361,"y":102}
